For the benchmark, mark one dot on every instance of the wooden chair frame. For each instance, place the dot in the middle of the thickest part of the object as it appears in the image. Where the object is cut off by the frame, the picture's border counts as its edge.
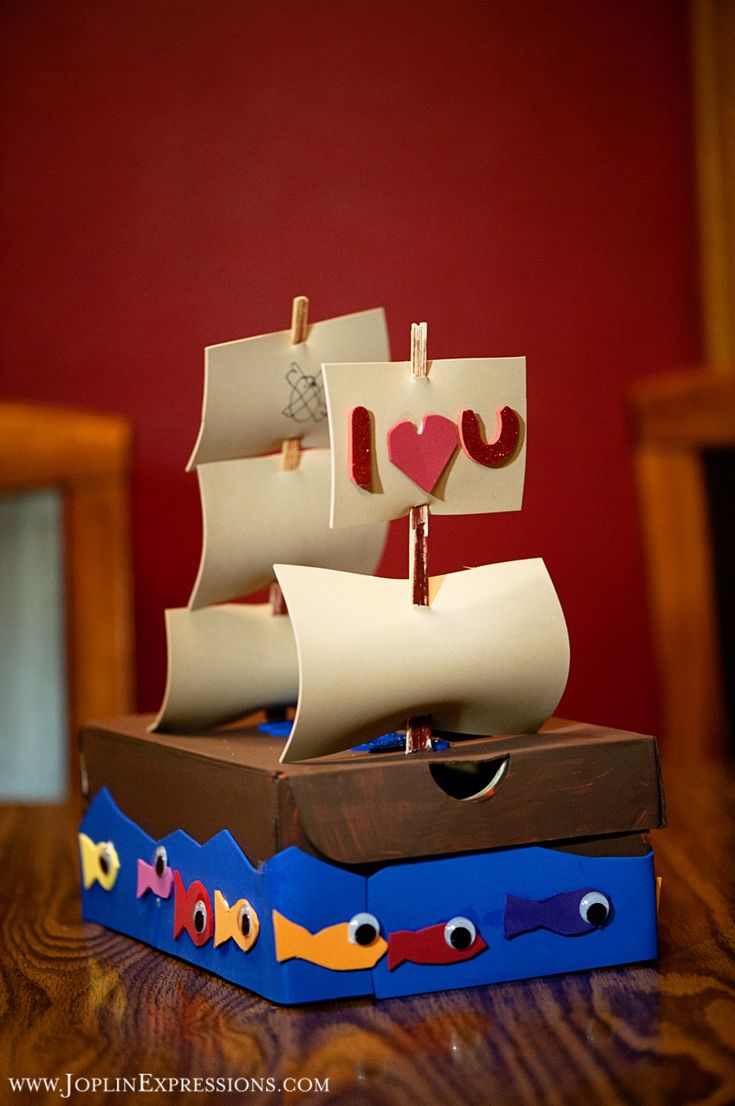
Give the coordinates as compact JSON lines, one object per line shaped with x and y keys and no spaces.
{"x":87,"y":458}
{"x":676,"y":418}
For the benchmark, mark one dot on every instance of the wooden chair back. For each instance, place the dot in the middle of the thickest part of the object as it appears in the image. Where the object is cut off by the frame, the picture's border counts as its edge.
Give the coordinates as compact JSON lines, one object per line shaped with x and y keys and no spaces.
{"x":678,"y":421}
{"x":87,"y":457}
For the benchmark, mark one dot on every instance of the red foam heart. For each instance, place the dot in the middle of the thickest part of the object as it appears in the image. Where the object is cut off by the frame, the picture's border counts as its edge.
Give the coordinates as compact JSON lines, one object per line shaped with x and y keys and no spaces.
{"x":423,"y":454}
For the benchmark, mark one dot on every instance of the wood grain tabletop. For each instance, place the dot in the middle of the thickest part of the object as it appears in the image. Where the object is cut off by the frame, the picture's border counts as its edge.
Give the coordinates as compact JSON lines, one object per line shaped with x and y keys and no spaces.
{"x":79,"y":1003}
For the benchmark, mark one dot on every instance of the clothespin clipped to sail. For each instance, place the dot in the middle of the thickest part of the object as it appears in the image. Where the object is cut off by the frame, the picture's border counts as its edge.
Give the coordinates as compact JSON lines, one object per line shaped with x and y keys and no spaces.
{"x":264,"y":477}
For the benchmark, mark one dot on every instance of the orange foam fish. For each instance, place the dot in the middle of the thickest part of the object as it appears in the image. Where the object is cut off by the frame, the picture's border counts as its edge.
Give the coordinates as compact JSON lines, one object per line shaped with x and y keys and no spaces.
{"x":100,"y":862}
{"x":239,"y":922}
{"x":329,"y":948}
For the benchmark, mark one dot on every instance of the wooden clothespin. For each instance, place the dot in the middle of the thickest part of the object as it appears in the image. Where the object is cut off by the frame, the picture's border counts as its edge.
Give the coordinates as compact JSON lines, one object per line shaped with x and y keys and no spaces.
{"x":418,"y":350}
{"x":418,"y":729}
{"x":299,"y":319}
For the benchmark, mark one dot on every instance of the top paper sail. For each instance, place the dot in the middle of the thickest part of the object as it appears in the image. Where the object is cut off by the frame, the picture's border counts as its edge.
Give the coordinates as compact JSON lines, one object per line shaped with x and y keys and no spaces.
{"x":260,"y":391}
{"x":453,"y":440}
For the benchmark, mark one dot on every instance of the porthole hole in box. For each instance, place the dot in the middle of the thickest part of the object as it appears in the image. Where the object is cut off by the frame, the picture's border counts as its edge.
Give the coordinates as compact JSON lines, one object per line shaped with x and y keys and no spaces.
{"x":470,"y":779}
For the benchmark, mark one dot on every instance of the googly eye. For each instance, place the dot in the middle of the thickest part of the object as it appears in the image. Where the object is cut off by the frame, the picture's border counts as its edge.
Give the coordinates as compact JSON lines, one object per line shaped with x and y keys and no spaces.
{"x":459,"y":933}
{"x":363,"y":929}
{"x":245,"y":919}
{"x":106,"y":859}
{"x":199,"y":916}
{"x":160,"y":860}
{"x":595,"y":908}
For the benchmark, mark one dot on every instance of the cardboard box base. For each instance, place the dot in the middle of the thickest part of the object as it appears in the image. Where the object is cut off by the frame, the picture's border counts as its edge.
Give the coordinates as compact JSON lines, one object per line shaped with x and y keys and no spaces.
{"x":301,"y":907}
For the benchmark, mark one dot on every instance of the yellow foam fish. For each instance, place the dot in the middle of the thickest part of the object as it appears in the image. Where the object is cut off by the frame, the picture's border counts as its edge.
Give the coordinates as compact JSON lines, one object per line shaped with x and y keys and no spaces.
{"x":239,"y":922}
{"x":329,"y":948}
{"x":100,"y":862}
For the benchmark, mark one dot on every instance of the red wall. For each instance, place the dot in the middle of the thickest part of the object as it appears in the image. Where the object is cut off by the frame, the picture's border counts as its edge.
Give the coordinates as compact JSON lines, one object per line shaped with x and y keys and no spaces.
{"x":518,"y":174}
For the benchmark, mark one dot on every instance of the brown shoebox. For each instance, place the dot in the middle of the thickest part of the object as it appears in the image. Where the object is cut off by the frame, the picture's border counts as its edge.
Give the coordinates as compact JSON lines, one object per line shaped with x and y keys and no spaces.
{"x":573,"y":785}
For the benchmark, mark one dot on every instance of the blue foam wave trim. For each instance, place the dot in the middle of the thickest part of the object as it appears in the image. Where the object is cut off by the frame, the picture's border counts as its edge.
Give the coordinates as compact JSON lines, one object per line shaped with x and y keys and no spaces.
{"x":403,"y":895}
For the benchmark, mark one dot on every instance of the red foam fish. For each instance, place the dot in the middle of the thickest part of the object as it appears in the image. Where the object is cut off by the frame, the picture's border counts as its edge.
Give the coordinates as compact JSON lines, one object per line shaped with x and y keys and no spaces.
{"x":446,"y":943}
{"x":192,"y":911}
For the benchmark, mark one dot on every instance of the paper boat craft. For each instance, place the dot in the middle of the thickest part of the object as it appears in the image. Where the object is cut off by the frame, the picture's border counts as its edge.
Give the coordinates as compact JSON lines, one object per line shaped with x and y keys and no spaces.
{"x":420,"y":825}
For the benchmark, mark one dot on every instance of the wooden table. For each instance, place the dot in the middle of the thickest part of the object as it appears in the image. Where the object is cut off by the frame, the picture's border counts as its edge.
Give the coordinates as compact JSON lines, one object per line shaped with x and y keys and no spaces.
{"x":77,"y":998}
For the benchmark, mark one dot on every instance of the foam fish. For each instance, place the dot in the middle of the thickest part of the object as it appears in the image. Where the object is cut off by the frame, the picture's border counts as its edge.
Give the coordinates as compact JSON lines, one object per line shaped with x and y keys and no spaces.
{"x":100,"y":862}
{"x":445,"y":943}
{"x":192,"y":911}
{"x":156,"y":877}
{"x":569,"y":914}
{"x":239,"y":922}
{"x":344,"y":947}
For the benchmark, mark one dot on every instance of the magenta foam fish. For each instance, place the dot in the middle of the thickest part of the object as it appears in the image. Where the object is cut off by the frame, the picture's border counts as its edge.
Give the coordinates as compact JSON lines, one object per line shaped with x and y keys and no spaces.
{"x":150,"y":879}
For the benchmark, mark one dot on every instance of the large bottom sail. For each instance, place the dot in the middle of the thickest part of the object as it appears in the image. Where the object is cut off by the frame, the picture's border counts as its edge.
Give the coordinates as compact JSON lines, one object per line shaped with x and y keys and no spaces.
{"x":224,"y":662}
{"x":489,"y":656}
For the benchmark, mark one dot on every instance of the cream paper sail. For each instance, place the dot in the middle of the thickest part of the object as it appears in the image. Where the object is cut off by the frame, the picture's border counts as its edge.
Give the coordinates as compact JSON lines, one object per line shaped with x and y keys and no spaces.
{"x":225,"y":662}
{"x":484,"y":385}
{"x":259,"y":391}
{"x":489,"y":656}
{"x":256,"y":514}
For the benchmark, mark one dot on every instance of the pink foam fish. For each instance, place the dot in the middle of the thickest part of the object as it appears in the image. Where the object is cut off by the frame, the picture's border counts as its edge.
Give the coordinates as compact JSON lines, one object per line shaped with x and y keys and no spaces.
{"x":156,"y":877}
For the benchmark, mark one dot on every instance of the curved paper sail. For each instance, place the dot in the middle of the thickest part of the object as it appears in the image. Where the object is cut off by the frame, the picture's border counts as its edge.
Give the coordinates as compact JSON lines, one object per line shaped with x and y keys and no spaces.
{"x":259,"y":391}
{"x":256,"y":514}
{"x":225,"y":662}
{"x":387,"y":392}
{"x":489,"y":656}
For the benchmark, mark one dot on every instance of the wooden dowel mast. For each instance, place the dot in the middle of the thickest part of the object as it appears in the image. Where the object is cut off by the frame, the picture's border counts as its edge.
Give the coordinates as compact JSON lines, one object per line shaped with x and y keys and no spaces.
{"x":291,"y":447}
{"x":418,"y":549}
{"x":418,"y":729}
{"x":418,"y":519}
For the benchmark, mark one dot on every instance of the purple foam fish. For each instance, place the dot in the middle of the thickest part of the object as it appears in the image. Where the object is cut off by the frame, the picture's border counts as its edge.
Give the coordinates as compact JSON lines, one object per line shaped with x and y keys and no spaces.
{"x":569,"y":914}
